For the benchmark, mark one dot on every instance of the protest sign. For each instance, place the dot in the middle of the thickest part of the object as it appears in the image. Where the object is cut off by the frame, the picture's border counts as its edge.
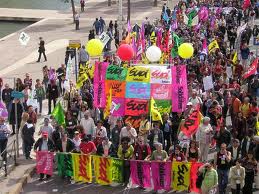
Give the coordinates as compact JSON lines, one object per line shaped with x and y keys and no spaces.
{"x":117,"y":108}
{"x":82,"y":167}
{"x":118,"y":88}
{"x":65,"y":166}
{"x":164,"y":106}
{"x":138,"y":90}
{"x":193,"y":176}
{"x":161,"y":91}
{"x":3,"y":110}
{"x":208,"y":83}
{"x":140,"y":173}
{"x":136,"y":107}
{"x":115,"y":72}
{"x":134,"y":120}
{"x":161,"y":175}
{"x":103,"y":170}
{"x":104,"y":37}
{"x":44,"y":163}
{"x":181,"y":175}
{"x":117,"y":170}
{"x":24,"y":38}
{"x":160,"y":75}
{"x":138,"y":74}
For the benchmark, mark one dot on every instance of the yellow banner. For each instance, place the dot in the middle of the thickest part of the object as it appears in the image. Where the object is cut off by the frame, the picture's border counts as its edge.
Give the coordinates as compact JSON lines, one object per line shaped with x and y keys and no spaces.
{"x":103,"y":170}
{"x":213,"y":45}
{"x":82,"y":167}
{"x":181,"y":175}
{"x":138,"y":74}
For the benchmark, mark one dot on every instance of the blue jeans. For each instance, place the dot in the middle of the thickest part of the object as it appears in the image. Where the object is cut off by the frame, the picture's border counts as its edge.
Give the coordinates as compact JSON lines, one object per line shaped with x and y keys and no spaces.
{"x":223,"y":180}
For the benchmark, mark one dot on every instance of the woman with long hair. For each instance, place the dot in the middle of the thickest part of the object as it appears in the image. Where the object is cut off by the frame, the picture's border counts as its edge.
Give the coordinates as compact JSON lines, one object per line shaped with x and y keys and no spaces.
{"x":193,"y":152}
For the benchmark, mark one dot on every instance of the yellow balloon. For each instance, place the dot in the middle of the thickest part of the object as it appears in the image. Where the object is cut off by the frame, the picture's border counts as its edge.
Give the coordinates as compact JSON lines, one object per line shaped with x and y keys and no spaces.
{"x":94,"y":47}
{"x":185,"y":50}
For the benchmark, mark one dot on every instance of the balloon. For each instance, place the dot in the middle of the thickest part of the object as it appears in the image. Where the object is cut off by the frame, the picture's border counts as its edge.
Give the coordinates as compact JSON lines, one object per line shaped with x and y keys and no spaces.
{"x":94,"y":47}
{"x":153,"y":53}
{"x":125,"y":52}
{"x":185,"y":50}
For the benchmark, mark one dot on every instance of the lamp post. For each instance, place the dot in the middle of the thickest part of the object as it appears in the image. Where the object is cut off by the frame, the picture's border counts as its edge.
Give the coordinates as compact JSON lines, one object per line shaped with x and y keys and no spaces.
{"x":128,"y":18}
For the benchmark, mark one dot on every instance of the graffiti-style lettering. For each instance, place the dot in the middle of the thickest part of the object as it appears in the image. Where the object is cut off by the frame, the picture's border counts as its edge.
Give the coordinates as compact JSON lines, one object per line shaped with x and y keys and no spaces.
{"x":178,"y":74}
{"x":134,"y":120}
{"x":104,"y":163}
{"x":162,"y":174}
{"x":191,"y":119}
{"x":83,"y":160}
{"x":182,"y":169}
{"x":140,"y":173}
{"x":180,"y":97}
{"x":132,"y":105}
{"x":157,"y":74}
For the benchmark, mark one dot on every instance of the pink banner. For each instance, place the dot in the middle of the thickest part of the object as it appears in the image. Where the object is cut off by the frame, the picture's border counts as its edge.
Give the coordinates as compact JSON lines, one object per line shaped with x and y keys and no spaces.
{"x":161,"y":175}
{"x":179,"y":88}
{"x":161,"y":91}
{"x":99,"y":84}
{"x":117,"y":108}
{"x":140,"y":173}
{"x":44,"y":162}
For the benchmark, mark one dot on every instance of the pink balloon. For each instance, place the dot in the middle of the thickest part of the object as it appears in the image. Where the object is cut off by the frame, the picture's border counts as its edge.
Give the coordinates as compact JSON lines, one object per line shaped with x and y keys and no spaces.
{"x":125,"y":52}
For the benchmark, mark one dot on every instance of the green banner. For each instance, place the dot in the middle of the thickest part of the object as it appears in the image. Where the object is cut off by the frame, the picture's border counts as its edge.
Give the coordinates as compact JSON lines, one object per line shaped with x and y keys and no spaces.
{"x":117,"y":170}
{"x":65,"y":167}
{"x":164,"y":106}
{"x":115,"y":72}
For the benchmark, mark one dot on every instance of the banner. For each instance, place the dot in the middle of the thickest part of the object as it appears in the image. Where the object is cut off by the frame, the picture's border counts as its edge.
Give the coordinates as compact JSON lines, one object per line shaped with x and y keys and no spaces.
{"x":136,"y":107}
{"x":161,"y":175}
{"x":82,"y":167}
{"x":102,"y":170}
{"x":104,"y":37}
{"x":44,"y":162}
{"x":138,"y":74}
{"x":115,"y":72}
{"x":82,"y":75}
{"x":65,"y":166}
{"x":181,"y":175}
{"x":252,"y":69}
{"x":213,"y":46}
{"x":138,"y":90}
{"x":118,"y":88}
{"x":140,"y":173}
{"x":118,"y":107}
{"x":161,"y":91}
{"x":191,"y":123}
{"x":134,"y":120}
{"x":164,"y":106}
{"x":99,"y":84}
{"x":160,"y":75}
{"x":194,"y":169}
{"x":117,"y":170}
{"x":179,"y":88}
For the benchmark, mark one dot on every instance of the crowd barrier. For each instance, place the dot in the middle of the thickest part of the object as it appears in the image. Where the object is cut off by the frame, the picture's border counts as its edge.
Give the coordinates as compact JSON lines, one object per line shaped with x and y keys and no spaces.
{"x":179,"y":176}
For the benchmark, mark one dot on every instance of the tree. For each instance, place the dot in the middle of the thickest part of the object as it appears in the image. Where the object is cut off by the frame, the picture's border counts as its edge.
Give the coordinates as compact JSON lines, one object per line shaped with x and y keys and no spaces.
{"x":73,"y":9}
{"x":109,"y":2}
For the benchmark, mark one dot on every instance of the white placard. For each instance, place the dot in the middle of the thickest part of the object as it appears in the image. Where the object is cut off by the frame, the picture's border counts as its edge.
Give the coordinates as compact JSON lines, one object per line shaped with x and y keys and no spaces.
{"x":104,"y":37}
{"x":208,"y":83}
{"x":24,"y":38}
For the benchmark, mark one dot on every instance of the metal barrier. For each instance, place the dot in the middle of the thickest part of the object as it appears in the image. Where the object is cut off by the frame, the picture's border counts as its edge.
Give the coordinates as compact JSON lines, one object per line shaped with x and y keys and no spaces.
{"x":8,"y":158}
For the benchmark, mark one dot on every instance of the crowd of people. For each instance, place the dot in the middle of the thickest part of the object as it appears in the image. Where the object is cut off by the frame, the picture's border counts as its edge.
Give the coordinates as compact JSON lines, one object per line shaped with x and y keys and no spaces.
{"x":230,"y":109}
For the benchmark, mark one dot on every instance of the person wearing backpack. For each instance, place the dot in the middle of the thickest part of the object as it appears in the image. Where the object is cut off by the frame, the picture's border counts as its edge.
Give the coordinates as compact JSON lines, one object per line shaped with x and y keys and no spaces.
{"x":209,"y":182}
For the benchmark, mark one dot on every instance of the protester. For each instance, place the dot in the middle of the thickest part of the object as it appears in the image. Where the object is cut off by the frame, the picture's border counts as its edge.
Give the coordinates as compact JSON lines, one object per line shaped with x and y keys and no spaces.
{"x":41,"y":49}
{"x":28,"y":137}
{"x":40,"y":94}
{"x":88,"y":124}
{"x":4,"y":133}
{"x":83,"y":56}
{"x":87,"y":146}
{"x":13,"y":115}
{"x":177,"y":155}
{"x":210,"y":181}
{"x":47,"y":127}
{"x":106,"y":148}
{"x":155,"y":136}
{"x":159,"y":154}
{"x":193,"y":152}
{"x":144,"y":127}
{"x":235,"y":151}
{"x":237,"y":177}
{"x":142,"y":150}
{"x":65,"y":144}
{"x":128,"y":131}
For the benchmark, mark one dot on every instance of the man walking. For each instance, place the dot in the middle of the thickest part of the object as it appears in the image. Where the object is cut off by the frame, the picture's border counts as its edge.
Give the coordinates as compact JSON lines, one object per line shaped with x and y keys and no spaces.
{"x":41,"y":49}
{"x":77,"y":16}
{"x":102,"y":24}
{"x":83,"y":56}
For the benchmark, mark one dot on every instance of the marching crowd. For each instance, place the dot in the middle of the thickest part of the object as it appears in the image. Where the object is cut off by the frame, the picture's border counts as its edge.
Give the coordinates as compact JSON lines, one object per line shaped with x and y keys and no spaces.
{"x":233,"y":98}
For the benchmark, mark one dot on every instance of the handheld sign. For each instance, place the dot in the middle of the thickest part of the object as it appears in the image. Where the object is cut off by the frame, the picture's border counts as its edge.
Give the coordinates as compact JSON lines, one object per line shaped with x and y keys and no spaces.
{"x":24,"y":38}
{"x":104,"y":37}
{"x":16,"y":94}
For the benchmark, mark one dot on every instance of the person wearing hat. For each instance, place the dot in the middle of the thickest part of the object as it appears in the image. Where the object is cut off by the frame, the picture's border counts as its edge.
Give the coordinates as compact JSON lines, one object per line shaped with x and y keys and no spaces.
{"x":204,"y":137}
{"x":44,"y":143}
{"x":87,"y":146}
{"x":189,"y":109}
{"x":106,"y":148}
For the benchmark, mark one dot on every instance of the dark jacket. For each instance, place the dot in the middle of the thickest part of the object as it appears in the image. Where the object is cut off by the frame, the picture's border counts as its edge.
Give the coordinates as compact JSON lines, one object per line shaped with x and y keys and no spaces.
{"x":56,"y":136}
{"x":52,"y":91}
{"x":223,"y":137}
{"x":37,"y":145}
{"x":27,"y":134}
{"x":100,"y":150}
{"x":151,"y":137}
{"x":70,"y":146}
{"x":19,"y":114}
{"x":6,"y":95}
{"x":115,"y":136}
{"x":244,"y":144}
{"x":233,"y":161}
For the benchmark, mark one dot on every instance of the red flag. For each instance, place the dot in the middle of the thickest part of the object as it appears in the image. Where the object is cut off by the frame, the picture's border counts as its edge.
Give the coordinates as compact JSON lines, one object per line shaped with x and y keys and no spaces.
{"x":246,"y":4}
{"x":194,"y":169}
{"x":252,"y":69}
{"x":191,"y":123}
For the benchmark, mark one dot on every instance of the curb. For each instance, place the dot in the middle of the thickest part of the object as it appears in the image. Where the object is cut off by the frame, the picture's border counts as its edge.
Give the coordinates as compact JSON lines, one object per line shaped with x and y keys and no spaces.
{"x":17,"y":188}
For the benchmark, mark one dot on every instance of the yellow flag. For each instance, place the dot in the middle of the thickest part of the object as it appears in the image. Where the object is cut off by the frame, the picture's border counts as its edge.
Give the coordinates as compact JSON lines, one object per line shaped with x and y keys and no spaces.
{"x":108,"y":104}
{"x":234,"y":60}
{"x":155,"y":114}
{"x":213,"y":45}
{"x":82,"y":167}
{"x":103,"y":170}
{"x":200,"y":117}
{"x":153,"y":38}
{"x":181,"y":175}
{"x":128,"y":39}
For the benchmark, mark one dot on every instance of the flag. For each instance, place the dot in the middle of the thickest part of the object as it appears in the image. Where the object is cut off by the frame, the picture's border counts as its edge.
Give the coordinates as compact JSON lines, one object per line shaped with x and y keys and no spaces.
{"x":234,"y":60}
{"x":191,"y":16}
{"x":177,"y":42}
{"x":165,"y":17}
{"x":102,"y":170}
{"x":153,"y":38}
{"x":174,"y":25}
{"x":109,"y":104}
{"x":246,"y":4}
{"x":59,"y":114}
{"x":252,"y":69}
{"x":204,"y":47}
{"x":195,"y":21}
{"x":181,"y":175}
{"x":155,"y":114}
{"x":213,"y":46}
{"x":82,"y":167}
{"x":65,"y":166}
{"x":129,"y":27}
